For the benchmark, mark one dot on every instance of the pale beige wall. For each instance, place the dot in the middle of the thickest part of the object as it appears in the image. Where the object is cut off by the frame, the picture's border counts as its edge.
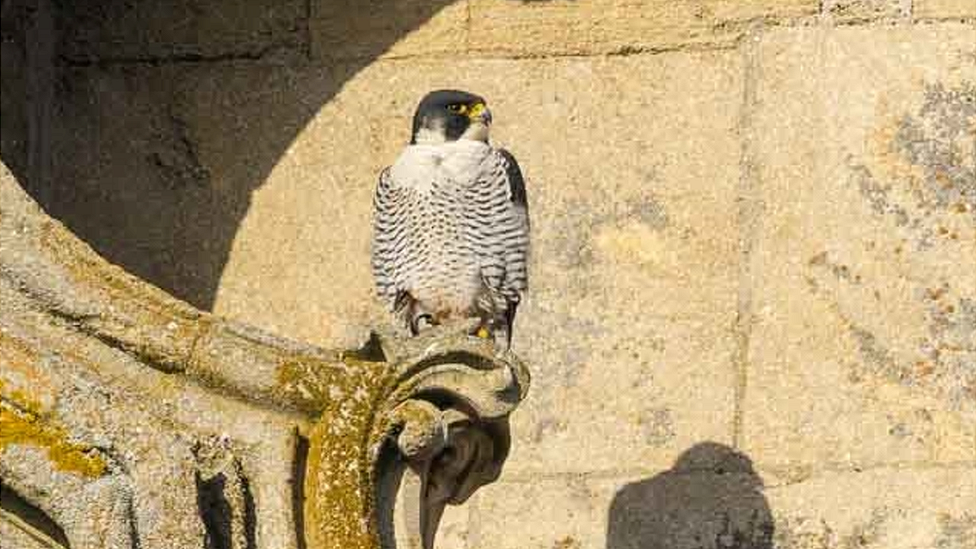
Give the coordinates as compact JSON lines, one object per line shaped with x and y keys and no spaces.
{"x":754,"y":239}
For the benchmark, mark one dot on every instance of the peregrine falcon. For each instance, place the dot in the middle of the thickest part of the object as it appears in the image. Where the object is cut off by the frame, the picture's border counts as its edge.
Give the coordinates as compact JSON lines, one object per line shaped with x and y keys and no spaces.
{"x":451,"y":222}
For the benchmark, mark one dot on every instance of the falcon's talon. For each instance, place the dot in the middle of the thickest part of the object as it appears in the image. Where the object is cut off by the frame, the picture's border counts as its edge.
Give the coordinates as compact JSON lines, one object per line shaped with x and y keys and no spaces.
{"x":423,"y":322}
{"x":483,"y":333}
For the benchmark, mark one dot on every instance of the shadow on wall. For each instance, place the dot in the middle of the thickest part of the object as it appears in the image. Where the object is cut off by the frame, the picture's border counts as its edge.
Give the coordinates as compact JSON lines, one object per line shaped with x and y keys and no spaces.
{"x":147,"y":126}
{"x":710,"y":499}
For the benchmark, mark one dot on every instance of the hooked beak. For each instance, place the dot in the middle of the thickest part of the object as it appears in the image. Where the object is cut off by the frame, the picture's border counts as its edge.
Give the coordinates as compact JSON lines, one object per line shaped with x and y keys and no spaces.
{"x":480,"y":113}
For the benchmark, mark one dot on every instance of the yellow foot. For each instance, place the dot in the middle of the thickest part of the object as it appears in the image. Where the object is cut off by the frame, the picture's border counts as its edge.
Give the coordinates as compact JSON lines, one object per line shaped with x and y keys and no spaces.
{"x":483,"y":333}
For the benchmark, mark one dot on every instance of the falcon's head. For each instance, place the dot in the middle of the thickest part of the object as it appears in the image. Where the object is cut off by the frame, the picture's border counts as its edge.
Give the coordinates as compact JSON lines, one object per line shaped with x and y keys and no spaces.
{"x":449,"y":115}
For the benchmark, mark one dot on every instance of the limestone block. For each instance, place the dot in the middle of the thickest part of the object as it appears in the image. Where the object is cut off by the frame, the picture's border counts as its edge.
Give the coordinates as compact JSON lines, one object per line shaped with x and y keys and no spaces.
{"x":631,"y":165}
{"x":866,"y":10}
{"x":130,"y":150}
{"x":887,"y":508}
{"x":188,"y":29}
{"x":453,"y":530}
{"x":167,"y":140}
{"x":863,"y":330}
{"x":711,"y":498}
{"x":458,"y":30}
{"x":347,"y":29}
{"x":565,"y":27}
{"x":15,"y":85}
{"x":563,"y":513}
{"x":944,"y":9}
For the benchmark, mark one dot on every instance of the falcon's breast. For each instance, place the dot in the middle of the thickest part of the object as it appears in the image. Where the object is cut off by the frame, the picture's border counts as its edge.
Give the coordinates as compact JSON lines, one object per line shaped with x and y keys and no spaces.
{"x":451,"y":229}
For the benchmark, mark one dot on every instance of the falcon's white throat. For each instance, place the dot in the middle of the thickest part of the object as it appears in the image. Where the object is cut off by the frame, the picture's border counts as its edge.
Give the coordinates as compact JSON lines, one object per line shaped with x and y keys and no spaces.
{"x":418,"y":166}
{"x":477,"y":131}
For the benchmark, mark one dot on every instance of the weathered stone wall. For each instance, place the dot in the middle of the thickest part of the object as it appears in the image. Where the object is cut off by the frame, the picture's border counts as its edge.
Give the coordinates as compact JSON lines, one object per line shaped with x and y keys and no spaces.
{"x":753,"y":307}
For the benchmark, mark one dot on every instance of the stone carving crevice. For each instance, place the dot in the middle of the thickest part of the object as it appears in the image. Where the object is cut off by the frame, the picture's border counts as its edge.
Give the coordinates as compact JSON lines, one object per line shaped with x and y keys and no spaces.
{"x":31,"y":521}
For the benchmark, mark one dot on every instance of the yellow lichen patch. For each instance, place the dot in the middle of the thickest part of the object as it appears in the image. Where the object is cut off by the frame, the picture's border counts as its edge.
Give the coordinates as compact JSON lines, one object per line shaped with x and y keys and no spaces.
{"x":338,"y":498}
{"x":25,"y":428}
{"x":22,"y":400}
{"x":315,"y":385}
{"x":345,"y":393}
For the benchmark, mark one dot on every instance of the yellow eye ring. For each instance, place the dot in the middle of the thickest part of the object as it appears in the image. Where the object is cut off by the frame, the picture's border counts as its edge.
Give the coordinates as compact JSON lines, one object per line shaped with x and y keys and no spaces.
{"x":457,"y":107}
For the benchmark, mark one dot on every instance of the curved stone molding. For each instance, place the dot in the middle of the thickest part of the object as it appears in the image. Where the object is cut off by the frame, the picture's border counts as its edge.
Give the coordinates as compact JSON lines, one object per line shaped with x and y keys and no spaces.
{"x":449,"y":421}
{"x":438,"y":431}
{"x":131,"y":419}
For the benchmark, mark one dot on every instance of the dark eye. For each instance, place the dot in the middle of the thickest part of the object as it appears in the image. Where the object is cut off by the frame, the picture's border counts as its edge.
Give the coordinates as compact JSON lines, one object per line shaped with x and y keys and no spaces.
{"x":456,"y":107}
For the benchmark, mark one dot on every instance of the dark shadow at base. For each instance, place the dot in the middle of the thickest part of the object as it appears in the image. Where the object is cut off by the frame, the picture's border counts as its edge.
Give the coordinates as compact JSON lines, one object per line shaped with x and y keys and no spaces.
{"x":710,"y":499}
{"x":298,"y":489}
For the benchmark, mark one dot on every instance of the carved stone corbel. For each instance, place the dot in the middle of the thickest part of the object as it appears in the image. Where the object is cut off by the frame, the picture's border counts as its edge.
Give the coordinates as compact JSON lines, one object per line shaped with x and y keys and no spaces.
{"x":130,"y":419}
{"x":438,"y":432}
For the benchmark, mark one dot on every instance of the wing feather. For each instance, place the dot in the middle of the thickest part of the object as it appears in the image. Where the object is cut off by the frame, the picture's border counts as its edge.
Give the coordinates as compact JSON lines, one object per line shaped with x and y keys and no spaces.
{"x":506,"y":235}
{"x":516,"y":183}
{"x":390,"y":227}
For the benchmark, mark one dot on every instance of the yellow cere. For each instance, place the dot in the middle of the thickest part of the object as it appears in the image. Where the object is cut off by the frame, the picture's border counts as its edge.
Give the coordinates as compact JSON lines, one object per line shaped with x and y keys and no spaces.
{"x":476,"y":110}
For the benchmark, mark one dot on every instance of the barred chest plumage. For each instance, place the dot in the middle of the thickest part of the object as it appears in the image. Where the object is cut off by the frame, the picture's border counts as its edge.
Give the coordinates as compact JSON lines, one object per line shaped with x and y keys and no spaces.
{"x":441,"y":265}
